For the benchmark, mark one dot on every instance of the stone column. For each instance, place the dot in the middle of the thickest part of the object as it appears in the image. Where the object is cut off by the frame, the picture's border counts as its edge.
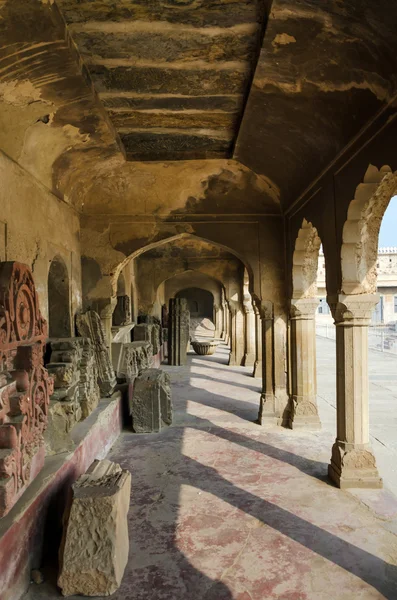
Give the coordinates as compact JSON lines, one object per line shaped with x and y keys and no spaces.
{"x":353,"y":462}
{"x":249,"y":330}
{"x":217,"y":321}
{"x":304,"y":411}
{"x":236,"y":335}
{"x":178,"y":331}
{"x":227,"y":323}
{"x":267,"y":410}
{"x":258,"y":343}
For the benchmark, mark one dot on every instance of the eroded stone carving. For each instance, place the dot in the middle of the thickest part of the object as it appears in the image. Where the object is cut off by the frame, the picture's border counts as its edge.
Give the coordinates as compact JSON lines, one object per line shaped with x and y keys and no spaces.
{"x":134,"y":358}
{"x":151,"y":407}
{"x":122,"y":312}
{"x":178,"y":331}
{"x":25,"y":386}
{"x":94,"y":549}
{"x":89,"y":326}
{"x":76,"y":394}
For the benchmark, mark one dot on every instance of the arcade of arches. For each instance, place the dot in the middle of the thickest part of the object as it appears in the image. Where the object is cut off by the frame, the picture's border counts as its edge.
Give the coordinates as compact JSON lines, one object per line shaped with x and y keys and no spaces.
{"x":163,"y":156}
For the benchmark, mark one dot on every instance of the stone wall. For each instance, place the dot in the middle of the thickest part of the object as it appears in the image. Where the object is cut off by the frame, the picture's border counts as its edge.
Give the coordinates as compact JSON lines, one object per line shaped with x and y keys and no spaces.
{"x":36,"y":226}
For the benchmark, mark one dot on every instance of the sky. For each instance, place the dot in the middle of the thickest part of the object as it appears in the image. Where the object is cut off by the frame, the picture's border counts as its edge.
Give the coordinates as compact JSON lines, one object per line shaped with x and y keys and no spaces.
{"x":388,"y":228}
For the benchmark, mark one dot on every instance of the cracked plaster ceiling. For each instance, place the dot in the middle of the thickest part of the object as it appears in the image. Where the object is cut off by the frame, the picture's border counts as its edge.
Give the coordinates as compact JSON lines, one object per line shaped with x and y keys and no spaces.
{"x":84,"y":84}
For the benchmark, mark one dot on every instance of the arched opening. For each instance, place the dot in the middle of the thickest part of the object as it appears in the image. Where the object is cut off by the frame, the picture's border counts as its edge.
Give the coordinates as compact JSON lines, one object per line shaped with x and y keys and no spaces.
{"x":304,"y":304}
{"x":200,"y":302}
{"x":359,"y":329}
{"x":58,"y":299}
{"x":186,"y":253}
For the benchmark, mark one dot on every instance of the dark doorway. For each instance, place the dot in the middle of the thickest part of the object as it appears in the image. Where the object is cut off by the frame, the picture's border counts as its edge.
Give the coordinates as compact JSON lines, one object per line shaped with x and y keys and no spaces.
{"x":200,"y":302}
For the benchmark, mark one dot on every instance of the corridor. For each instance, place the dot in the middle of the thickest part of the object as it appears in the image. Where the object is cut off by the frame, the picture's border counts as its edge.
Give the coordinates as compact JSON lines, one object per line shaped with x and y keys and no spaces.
{"x":222,"y":508}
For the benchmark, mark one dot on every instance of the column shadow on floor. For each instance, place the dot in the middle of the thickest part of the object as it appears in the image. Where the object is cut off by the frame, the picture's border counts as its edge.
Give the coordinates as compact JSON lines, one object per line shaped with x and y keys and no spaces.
{"x":157,"y":568}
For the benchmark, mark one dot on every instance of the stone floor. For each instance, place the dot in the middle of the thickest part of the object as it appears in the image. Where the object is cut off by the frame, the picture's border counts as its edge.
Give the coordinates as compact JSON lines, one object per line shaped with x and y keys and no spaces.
{"x":224,"y":509}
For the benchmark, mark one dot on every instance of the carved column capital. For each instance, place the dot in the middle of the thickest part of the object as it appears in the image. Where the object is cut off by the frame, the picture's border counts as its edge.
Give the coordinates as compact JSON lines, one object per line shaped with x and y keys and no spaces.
{"x":304,"y":308}
{"x":354,"y":309}
{"x":266,"y":310}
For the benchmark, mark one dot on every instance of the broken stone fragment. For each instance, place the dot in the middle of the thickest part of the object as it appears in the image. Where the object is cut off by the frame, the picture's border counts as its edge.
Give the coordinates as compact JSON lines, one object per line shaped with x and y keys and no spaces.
{"x":95,"y":544}
{"x":151,"y":407}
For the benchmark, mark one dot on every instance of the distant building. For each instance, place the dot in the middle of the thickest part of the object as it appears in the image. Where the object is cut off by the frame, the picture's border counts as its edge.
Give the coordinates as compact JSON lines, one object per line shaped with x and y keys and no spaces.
{"x":386,"y":265}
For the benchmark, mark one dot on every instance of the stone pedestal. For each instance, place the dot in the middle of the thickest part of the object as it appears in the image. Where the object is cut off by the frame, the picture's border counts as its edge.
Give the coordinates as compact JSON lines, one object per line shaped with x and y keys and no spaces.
{"x":353,"y":462}
{"x":151,"y":407}
{"x":267,"y":409}
{"x":304,"y":411}
{"x":178,"y":331}
{"x":94,"y":549}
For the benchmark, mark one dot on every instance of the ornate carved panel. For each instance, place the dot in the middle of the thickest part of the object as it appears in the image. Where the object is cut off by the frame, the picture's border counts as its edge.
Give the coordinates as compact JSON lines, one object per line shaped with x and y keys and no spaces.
{"x":25,"y":386}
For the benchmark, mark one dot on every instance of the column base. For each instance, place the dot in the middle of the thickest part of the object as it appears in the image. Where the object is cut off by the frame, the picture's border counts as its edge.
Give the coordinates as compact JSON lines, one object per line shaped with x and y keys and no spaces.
{"x":304,"y":415}
{"x":248,"y":360}
{"x":257,"y":372}
{"x":353,"y":467}
{"x":267,"y":414}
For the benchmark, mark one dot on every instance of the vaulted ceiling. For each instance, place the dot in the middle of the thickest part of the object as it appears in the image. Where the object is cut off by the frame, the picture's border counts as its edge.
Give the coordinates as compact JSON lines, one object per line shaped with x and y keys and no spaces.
{"x":281,"y":89}
{"x":173,"y":75}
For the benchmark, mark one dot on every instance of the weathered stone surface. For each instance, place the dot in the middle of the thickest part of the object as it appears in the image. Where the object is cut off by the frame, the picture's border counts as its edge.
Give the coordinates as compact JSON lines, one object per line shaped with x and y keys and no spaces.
{"x":25,"y":385}
{"x":124,"y":119}
{"x":133,"y":359}
{"x":122,"y":312}
{"x":169,"y":81}
{"x":94,"y":549}
{"x":151,"y":407}
{"x":164,"y":43}
{"x":89,"y":325}
{"x":73,"y":367}
{"x":173,"y":144}
{"x":61,"y":418}
{"x":229,"y":103}
{"x":178,"y":331}
{"x":223,"y":13}
{"x":143,"y":332}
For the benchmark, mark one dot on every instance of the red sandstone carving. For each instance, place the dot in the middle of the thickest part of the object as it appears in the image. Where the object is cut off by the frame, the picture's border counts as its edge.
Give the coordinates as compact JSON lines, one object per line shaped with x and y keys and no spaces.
{"x":25,"y":386}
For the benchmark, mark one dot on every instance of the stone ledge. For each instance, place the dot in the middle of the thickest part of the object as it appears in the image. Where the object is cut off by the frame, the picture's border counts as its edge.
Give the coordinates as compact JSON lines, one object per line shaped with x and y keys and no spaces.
{"x":21,"y":531}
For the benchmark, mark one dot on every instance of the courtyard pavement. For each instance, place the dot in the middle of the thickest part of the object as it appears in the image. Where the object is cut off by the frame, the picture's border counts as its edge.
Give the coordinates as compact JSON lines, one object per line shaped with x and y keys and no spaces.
{"x":224,"y":509}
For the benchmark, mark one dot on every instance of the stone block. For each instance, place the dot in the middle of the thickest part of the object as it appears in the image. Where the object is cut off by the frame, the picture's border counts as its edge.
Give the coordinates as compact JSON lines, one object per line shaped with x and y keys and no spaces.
{"x":57,"y":435}
{"x":89,"y":326}
{"x":95,"y":544}
{"x":151,"y":406}
{"x":178,"y":331}
{"x":133,"y":358}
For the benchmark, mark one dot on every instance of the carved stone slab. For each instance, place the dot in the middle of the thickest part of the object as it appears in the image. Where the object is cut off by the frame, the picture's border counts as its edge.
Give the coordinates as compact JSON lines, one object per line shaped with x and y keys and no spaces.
{"x":76,"y":394}
{"x":178,"y":331}
{"x":25,"y":386}
{"x":133,"y":359}
{"x":94,"y":549}
{"x":151,"y":407}
{"x":89,"y":325}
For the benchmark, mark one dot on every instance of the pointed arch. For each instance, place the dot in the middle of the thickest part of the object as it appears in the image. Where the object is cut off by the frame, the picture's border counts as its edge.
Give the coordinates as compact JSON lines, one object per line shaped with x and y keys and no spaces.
{"x":305,"y":262}
{"x":361,"y":230}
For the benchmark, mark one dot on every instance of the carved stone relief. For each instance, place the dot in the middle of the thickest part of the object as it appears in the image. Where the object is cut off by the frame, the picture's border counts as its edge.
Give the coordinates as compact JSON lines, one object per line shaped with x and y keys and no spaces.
{"x":25,"y":385}
{"x":89,"y":326}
